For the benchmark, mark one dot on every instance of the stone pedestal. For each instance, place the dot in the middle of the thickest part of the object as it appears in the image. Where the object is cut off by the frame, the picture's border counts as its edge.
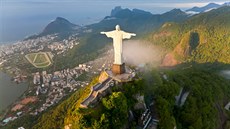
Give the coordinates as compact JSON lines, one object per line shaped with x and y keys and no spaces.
{"x":118,"y":69}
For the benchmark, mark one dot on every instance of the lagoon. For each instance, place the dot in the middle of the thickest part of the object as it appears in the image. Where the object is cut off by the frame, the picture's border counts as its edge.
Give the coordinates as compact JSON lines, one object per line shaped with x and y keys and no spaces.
{"x":9,"y":90}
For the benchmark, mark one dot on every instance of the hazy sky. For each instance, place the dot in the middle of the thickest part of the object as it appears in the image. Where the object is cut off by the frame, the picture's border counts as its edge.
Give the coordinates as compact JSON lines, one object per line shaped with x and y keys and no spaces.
{"x":100,"y":4}
{"x":19,"y":18}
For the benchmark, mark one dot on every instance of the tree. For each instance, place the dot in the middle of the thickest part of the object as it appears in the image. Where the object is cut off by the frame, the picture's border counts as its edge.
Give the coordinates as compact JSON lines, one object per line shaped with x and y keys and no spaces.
{"x":116,"y":106}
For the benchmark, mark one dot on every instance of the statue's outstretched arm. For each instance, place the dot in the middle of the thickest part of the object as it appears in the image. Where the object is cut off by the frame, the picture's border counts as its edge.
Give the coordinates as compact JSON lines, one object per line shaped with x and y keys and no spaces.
{"x":108,"y":34}
{"x":127,"y":35}
{"x":132,"y":34}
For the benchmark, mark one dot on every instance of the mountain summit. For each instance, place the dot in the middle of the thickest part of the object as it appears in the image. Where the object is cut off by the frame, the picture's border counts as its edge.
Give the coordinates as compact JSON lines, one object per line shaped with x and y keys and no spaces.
{"x":118,"y":12}
{"x":175,"y":14}
{"x":115,"y":10}
{"x":59,"y":25}
{"x":206,"y":8}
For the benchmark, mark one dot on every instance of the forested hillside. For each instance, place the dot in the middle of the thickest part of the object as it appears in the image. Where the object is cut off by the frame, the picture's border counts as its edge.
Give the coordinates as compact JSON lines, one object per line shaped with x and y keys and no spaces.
{"x":202,"y":38}
{"x":203,"y":108}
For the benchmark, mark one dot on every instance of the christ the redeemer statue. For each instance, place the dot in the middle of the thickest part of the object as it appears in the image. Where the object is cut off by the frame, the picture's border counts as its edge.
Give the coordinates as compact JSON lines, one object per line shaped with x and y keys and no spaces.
{"x":118,"y":35}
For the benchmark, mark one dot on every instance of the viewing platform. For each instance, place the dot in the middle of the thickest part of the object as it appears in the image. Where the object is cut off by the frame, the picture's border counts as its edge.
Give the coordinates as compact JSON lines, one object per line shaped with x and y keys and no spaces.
{"x":98,"y":91}
{"x":106,"y":80}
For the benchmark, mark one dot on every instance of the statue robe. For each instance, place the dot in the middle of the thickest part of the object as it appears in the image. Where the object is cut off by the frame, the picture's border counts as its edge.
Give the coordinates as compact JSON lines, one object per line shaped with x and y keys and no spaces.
{"x":118,"y":36}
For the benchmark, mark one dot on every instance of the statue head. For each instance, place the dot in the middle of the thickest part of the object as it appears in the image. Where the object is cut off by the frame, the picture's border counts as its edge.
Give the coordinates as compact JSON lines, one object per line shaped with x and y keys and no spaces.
{"x":117,"y":27}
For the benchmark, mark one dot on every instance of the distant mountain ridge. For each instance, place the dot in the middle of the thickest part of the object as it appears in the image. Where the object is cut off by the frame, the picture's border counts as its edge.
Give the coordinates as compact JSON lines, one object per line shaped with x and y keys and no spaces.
{"x":125,"y":17}
{"x":62,"y":25}
{"x":206,"y":8}
{"x":127,"y":13}
{"x":175,"y":14}
{"x":143,"y":21}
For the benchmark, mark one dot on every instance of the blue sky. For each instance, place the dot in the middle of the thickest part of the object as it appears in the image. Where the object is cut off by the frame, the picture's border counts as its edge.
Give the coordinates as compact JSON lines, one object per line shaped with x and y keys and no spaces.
{"x":25,"y":17}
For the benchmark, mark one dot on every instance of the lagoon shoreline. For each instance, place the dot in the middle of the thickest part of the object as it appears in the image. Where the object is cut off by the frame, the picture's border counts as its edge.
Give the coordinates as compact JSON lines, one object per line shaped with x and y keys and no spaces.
{"x":10,"y":92}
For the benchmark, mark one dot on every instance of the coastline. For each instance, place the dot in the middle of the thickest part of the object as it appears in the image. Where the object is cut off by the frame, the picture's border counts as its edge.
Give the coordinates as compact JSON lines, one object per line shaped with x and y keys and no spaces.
{"x":9,"y":42}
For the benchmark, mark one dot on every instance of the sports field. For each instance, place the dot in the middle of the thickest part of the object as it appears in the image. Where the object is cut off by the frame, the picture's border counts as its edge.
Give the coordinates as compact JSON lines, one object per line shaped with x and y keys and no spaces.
{"x":39,"y":60}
